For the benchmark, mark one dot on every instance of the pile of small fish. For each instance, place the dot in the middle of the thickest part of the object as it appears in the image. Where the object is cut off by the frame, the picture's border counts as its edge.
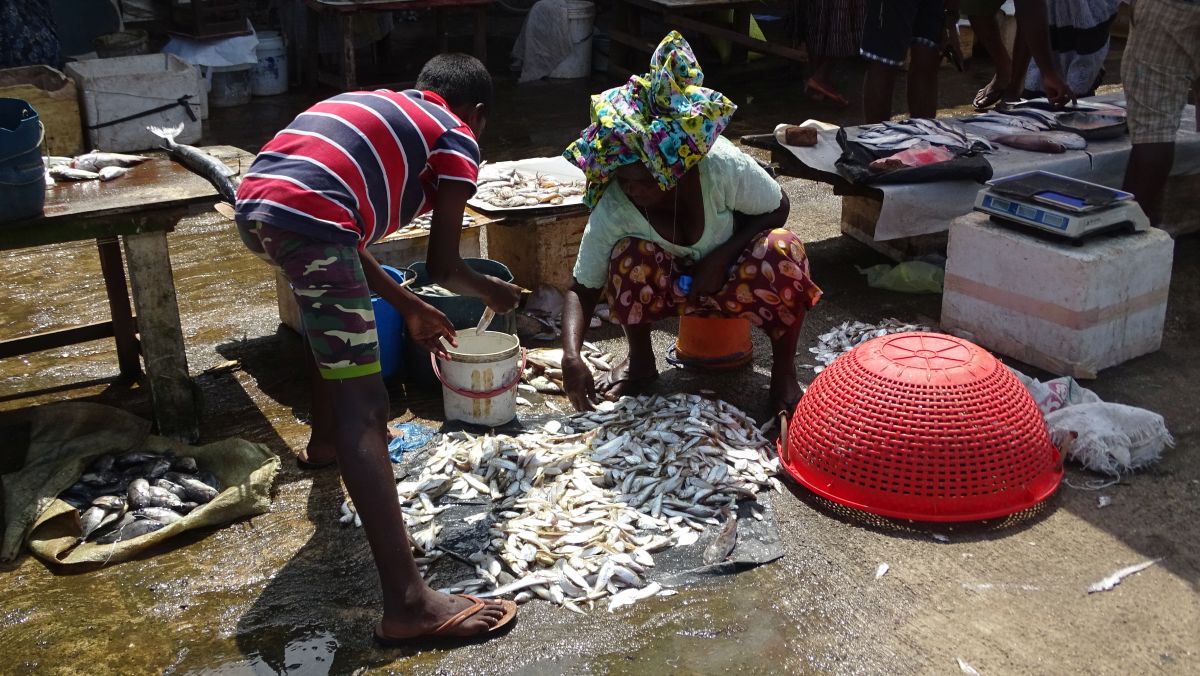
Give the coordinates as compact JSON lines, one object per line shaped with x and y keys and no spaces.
{"x":126,"y":496}
{"x":839,"y":341}
{"x":512,"y":188}
{"x":579,"y":510}
{"x":93,"y":166}
{"x":908,"y":133}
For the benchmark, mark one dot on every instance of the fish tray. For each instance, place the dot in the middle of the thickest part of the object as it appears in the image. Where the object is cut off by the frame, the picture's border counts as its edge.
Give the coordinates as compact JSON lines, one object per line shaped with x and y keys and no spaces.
{"x":922,"y":426}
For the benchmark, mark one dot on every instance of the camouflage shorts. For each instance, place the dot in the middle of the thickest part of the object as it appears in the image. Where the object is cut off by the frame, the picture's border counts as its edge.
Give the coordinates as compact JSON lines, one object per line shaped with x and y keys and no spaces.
{"x":332,"y":293}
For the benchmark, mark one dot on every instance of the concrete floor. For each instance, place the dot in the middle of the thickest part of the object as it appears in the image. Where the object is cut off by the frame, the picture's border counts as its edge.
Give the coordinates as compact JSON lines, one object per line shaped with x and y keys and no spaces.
{"x":292,"y":591}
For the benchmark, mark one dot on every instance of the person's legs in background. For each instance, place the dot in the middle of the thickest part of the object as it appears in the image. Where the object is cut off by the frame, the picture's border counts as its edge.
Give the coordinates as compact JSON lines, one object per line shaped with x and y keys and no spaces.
{"x":925,"y":58}
{"x":1161,"y":63}
{"x":986,"y":27}
{"x":887,"y":34}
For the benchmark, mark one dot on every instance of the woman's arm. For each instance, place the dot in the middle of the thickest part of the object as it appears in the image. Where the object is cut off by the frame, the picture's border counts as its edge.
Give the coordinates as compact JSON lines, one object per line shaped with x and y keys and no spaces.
{"x":578,"y":306}
{"x":710,"y":273}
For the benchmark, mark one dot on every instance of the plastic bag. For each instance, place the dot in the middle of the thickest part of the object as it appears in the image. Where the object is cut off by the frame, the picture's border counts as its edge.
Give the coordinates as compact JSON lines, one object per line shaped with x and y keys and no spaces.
{"x":1109,"y":438}
{"x":907,"y":277}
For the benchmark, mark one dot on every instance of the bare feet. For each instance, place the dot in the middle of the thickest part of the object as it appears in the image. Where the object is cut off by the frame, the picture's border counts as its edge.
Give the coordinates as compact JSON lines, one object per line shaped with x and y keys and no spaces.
{"x":626,"y":379}
{"x":434,"y":610}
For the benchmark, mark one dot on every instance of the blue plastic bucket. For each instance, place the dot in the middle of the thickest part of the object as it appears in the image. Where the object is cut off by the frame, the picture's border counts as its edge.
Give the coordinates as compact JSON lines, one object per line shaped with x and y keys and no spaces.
{"x":389,"y":325}
{"x":22,"y":173}
{"x":462,"y":311}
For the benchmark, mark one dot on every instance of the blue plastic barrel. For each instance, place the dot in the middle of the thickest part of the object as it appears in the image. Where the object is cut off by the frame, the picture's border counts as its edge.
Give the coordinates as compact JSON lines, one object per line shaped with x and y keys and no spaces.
{"x":389,"y":325}
{"x":22,"y":173}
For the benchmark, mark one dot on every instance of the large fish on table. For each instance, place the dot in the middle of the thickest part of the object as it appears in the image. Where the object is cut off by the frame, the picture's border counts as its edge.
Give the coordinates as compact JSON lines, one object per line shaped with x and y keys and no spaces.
{"x":200,"y":163}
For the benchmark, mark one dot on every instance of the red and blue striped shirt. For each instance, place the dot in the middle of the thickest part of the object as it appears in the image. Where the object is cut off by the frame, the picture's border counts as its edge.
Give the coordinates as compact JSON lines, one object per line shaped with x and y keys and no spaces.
{"x":358,"y":166}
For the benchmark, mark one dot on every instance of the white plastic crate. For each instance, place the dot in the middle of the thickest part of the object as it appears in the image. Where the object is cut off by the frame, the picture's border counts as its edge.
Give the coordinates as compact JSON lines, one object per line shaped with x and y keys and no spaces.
{"x":116,"y":95}
{"x":1071,"y":310}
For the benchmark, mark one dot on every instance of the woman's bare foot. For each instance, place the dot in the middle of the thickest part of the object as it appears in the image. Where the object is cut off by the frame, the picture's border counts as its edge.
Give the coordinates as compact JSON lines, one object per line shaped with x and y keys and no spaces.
{"x":627,"y":377}
{"x":433,"y":610}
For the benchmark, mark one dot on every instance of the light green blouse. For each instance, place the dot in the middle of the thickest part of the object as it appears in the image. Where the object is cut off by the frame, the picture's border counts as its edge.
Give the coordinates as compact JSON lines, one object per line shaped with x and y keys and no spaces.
{"x":730,"y":180}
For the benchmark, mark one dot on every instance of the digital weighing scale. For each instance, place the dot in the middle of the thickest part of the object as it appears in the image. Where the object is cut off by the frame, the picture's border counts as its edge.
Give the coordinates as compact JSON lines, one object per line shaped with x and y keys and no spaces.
{"x":1060,"y":205}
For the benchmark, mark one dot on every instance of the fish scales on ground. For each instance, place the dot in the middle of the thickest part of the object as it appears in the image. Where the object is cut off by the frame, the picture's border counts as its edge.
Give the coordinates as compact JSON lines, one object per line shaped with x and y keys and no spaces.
{"x":216,"y":172}
{"x":511,"y":188}
{"x":577,"y":516}
{"x":126,"y":496}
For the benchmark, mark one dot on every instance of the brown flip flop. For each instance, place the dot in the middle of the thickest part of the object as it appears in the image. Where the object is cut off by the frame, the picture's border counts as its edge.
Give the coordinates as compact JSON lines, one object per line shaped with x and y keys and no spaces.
{"x":438,"y":636}
{"x":312,"y":466}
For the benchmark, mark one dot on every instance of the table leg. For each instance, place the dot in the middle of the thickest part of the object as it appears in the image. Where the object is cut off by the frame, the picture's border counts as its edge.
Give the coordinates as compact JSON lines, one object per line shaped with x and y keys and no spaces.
{"x":176,"y":409}
{"x":346,"y":55}
{"x":741,"y":24}
{"x":124,"y":328}
{"x":481,"y":34}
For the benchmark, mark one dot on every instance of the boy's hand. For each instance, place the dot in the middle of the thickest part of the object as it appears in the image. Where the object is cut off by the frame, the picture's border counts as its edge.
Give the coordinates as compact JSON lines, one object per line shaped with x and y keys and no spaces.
{"x":426,"y":326}
{"x":502,"y":296}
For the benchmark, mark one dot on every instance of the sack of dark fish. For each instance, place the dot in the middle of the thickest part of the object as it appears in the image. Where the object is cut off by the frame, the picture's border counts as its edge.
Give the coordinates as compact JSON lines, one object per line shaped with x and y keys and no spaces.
{"x":126,"y":496}
{"x":96,"y":489}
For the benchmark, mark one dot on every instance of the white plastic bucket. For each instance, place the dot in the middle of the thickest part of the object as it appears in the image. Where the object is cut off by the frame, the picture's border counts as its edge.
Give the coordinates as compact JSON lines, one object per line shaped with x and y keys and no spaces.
{"x":271,"y":71}
{"x":229,"y":85}
{"x":580,"y":17}
{"x":480,"y":380}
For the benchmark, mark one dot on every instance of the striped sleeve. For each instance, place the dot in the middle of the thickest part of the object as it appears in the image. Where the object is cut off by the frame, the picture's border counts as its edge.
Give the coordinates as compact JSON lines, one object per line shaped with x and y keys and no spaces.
{"x":455,"y":157}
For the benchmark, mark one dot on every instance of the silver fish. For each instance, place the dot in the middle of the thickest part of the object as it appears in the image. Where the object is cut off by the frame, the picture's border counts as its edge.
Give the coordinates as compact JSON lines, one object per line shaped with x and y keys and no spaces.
{"x":109,"y":173}
{"x":723,"y":546}
{"x":200,"y":163}
{"x":96,"y":160}
{"x":61,"y":172}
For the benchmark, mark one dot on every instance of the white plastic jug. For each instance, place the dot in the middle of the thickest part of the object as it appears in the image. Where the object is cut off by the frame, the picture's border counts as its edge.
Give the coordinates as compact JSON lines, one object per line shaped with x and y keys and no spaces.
{"x":271,"y":71}
{"x":479,"y":382}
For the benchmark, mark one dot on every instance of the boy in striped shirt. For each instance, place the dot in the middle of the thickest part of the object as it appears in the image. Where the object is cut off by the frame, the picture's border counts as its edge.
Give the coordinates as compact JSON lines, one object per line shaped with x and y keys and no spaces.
{"x":345,"y":173}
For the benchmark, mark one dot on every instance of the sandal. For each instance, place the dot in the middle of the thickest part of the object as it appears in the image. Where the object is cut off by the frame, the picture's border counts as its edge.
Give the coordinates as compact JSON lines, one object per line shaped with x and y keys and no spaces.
{"x":985,"y":99}
{"x":439,"y":635}
{"x":304,"y":464}
{"x":824,"y":92}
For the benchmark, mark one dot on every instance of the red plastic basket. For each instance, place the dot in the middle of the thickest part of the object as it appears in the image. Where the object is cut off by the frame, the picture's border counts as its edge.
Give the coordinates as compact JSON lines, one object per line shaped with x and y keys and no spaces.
{"x":922,"y":426}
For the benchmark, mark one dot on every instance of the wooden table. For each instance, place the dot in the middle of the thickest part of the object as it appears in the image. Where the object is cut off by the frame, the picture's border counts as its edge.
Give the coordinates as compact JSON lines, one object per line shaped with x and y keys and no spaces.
{"x":539,"y":246}
{"x":136,"y":211}
{"x":686,"y":15}
{"x":347,"y":77}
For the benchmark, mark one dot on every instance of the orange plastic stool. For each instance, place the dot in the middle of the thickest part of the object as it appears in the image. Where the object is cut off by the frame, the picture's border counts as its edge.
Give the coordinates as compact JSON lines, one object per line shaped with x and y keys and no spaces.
{"x":713,"y":342}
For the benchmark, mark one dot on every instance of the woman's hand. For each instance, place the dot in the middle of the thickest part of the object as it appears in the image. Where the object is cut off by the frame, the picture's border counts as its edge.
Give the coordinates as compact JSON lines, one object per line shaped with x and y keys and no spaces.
{"x":708,"y":276}
{"x":579,"y":383}
{"x":426,"y":325}
{"x":502,"y":296}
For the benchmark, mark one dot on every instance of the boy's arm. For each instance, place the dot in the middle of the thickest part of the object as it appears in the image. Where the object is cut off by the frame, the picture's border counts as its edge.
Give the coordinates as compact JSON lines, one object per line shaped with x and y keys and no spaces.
{"x":425,"y":324}
{"x":443,"y":262}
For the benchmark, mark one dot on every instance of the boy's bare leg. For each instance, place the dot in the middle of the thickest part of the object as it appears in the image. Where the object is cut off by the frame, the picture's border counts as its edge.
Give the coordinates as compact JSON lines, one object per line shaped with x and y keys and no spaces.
{"x":322,"y":442}
{"x":410,"y":607}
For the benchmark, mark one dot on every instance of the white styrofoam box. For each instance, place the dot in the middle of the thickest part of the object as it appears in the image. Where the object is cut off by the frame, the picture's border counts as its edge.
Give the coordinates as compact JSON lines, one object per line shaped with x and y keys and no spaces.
{"x":1071,"y":310}
{"x":114,"y":89}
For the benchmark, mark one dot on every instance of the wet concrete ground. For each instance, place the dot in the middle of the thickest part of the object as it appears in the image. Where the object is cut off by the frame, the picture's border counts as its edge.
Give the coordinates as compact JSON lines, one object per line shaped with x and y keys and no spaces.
{"x":292,"y":591}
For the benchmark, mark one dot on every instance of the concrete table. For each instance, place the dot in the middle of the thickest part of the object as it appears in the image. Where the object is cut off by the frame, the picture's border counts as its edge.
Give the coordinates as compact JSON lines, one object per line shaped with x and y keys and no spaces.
{"x":134,"y":212}
{"x":345,"y":10}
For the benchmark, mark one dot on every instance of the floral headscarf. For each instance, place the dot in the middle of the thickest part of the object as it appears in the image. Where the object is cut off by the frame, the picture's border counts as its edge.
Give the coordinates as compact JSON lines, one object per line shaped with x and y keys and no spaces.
{"x":665,"y":119}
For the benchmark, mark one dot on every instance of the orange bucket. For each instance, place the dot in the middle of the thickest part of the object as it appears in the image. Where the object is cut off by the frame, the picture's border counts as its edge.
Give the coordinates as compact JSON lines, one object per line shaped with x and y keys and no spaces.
{"x":713,"y":342}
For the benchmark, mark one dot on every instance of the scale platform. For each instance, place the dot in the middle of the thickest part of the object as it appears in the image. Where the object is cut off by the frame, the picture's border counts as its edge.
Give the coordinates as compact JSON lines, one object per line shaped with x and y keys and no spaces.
{"x":1060,"y":205}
